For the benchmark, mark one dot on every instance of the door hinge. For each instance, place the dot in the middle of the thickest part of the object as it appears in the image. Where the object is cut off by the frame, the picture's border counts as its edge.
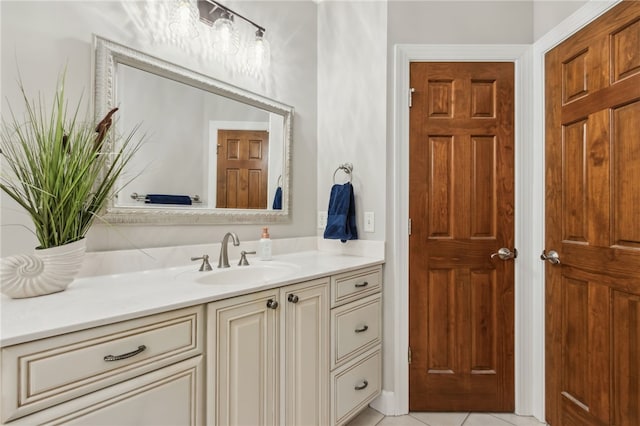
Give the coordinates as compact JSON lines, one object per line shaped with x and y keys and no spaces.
{"x":409,"y":355}
{"x":409,"y":226}
{"x":411,"y":90}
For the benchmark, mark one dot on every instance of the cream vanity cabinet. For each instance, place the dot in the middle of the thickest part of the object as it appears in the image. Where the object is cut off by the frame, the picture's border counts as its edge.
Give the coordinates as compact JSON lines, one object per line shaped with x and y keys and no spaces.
{"x":146,"y":371}
{"x":302,"y":354}
{"x":267,"y":357}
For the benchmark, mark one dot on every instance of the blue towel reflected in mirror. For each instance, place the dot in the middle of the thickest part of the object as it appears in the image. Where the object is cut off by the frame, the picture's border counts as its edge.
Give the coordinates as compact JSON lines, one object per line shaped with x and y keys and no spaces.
{"x":167,"y":199}
{"x":277,"y":199}
{"x":341,"y":218}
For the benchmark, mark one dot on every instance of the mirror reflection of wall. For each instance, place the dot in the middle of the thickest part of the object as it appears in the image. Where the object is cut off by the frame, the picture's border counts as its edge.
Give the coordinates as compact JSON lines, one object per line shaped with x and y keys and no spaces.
{"x":182,"y":124}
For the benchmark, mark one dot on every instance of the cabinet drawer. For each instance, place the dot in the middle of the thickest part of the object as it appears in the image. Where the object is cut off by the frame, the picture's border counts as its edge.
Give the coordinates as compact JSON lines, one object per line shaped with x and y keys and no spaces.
{"x":354,"y":386}
{"x":353,"y":285}
{"x":53,"y":370}
{"x":355,"y":328}
{"x":169,"y":396}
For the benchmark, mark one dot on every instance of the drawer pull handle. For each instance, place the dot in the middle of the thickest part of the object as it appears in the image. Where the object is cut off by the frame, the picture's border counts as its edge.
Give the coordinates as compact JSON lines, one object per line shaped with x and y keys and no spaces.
{"x":362,"y":386}
{"x":140,"y":349}
{"x":364,"y":284}
{"x":362,"y":330}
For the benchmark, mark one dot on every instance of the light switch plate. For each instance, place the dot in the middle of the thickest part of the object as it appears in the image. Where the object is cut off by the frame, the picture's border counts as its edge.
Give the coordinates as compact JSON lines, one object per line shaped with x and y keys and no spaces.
{"x":369,"y":222}
{"x":322,"y":220}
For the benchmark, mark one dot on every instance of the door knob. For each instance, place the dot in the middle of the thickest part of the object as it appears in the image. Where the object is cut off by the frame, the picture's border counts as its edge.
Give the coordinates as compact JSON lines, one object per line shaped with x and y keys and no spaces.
{"x":293,"y":298}
{"x":272,"y":304}
{"x":505,"y":254}
{"x":553,"y":257}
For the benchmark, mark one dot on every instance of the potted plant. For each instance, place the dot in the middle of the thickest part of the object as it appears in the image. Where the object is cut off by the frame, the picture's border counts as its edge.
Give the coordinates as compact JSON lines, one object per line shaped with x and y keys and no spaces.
{"x":61,"y":170}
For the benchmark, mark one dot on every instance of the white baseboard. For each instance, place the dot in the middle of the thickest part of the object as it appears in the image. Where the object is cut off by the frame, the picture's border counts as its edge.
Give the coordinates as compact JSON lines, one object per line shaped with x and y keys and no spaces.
{"x":386,"y":404}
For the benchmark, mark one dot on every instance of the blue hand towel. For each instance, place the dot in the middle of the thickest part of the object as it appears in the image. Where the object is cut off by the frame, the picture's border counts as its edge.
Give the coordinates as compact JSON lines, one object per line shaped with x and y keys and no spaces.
{"x":277,"y":199}
{"x":341,"y":218}
{"x":167,"y":199}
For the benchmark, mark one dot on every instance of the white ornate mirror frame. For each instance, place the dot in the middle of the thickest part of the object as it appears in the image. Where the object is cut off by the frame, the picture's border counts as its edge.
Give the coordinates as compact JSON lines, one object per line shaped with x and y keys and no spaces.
{"x":108,"y":55}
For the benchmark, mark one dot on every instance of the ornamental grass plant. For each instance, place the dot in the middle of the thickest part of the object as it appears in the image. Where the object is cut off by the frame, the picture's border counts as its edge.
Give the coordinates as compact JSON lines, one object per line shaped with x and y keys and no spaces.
{"x":59,"y":168}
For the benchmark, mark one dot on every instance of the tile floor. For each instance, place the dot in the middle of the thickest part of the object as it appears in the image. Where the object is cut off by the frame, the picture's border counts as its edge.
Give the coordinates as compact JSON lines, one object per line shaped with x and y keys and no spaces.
{"x":370,"y":417}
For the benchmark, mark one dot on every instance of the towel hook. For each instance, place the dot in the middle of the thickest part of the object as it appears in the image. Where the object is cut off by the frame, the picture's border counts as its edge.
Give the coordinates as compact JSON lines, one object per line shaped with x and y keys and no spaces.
{"x":347,"y":168}
{"x":279,"y":183}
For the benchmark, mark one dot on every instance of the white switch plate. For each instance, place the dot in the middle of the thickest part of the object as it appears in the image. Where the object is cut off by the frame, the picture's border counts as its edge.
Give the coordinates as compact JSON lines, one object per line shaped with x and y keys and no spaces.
{"x":369,"y":222}
{"x":322,"y":220}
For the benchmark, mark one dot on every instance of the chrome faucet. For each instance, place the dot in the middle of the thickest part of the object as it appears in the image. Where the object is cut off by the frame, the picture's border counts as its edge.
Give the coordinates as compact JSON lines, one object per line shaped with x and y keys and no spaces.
{"x":223,"y":260}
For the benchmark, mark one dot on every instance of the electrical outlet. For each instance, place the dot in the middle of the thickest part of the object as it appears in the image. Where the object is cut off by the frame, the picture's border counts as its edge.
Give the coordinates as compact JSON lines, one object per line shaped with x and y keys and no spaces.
{"x":322,"y":220}
{"x":369,"y":222}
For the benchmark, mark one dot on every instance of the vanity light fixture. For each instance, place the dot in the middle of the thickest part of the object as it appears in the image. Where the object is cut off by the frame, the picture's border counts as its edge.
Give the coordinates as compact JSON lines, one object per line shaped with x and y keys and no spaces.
{"x":226,"y":37}
{"x":184,"y":19}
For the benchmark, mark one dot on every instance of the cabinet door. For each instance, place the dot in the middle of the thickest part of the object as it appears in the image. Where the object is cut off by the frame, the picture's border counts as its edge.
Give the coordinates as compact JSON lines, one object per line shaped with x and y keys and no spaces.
{"x":243,"y":360}
{"x":305,"y":344}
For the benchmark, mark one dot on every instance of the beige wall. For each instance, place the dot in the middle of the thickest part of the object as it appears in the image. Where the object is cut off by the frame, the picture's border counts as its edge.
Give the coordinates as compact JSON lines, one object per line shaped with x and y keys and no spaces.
{"x":352,"y":105}
{"x":548,"y":14}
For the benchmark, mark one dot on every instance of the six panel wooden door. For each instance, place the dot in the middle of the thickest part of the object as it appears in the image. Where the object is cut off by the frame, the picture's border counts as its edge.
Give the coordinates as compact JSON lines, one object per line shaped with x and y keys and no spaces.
{"x":243,"y":163}
{"x":593,"y":223}
{"x":461,"y":300}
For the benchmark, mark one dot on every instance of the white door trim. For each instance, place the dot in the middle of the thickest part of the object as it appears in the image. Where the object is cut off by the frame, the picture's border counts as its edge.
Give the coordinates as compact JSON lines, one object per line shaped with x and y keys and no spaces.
{"x":529,"y":221}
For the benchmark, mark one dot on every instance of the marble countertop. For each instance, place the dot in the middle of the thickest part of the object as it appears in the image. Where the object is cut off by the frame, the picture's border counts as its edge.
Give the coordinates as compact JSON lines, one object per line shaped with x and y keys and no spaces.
{"x":99,"y":300}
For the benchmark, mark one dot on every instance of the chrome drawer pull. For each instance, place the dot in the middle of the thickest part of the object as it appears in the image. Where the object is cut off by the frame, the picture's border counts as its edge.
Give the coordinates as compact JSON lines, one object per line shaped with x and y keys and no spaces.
{"x":362,"y":386}
{"x":362,"y":330}
{"x":140,"y":349}
{"x":364,"y":284}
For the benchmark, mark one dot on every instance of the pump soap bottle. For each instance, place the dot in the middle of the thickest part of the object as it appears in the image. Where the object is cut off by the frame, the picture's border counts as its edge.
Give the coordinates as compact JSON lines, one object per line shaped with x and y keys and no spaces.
{"x":265,"y":245}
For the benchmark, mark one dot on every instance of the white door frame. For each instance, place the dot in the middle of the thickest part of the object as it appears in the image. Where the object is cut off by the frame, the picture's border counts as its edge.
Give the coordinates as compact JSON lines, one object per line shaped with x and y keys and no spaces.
{"x":529,"y":203}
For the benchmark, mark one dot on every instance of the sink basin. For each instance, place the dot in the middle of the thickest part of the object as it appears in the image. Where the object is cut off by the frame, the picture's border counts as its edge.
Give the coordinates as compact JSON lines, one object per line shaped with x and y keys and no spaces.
{"x":263,"y":272}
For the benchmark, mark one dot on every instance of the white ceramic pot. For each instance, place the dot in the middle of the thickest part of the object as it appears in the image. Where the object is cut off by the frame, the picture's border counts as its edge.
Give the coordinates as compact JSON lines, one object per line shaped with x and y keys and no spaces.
{"x":46,"y":271}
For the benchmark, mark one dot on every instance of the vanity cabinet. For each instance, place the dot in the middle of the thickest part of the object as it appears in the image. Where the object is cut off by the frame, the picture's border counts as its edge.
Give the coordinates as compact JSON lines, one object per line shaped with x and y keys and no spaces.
{"x":302,"y":354}
{"x":115,"y":371}
{"x":267,"y":357}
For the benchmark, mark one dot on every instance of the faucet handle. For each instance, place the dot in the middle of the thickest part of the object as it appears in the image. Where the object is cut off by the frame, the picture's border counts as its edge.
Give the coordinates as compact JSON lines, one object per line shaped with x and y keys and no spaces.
{"x":206,"y":266}
{"x":243,"y":257}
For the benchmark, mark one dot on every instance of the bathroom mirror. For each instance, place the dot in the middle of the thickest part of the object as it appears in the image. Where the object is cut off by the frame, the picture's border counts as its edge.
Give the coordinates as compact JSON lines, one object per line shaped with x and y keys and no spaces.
{"x":213,"y":152}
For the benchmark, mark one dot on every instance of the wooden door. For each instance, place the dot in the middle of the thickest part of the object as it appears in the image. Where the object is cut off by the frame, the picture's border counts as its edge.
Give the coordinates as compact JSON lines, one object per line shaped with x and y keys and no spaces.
{"x":593,"y":223}
{"x":243,"y":166}
{"x":306,"y":358}
{"x":243,"y":360}
{"x":461,"y":300}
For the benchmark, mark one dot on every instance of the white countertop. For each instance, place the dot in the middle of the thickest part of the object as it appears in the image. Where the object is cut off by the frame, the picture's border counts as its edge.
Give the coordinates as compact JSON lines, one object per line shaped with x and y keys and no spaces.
{"x":99,"y":300}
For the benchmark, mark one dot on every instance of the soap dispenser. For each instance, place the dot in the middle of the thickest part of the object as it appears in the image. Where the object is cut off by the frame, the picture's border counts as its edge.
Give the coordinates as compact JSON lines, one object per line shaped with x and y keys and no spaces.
{"x":265,"y":245}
